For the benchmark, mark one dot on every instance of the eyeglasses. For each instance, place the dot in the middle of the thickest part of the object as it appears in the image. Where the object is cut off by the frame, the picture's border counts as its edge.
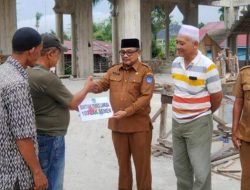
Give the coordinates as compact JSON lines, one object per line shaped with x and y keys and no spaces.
{"x":129,"y":52}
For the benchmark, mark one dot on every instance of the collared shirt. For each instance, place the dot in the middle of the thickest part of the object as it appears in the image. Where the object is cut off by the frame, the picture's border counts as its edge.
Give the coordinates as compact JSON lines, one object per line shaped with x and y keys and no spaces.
{"x":242,"y":90}
{"x":17,"y":121}
{"x":51,"y":99}
{"x":193,"y":86}
{"x":131,"y":90}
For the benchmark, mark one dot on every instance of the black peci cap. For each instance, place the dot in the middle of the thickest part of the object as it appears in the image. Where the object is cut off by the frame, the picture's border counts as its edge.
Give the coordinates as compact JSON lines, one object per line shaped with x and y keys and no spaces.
{"x":25,"y":39}
{"x":130,"y":43}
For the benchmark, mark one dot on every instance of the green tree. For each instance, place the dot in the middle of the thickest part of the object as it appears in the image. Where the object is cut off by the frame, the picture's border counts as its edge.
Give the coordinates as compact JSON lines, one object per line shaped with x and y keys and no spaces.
{"x":156,"y":49}
{"x":221,"y":11}
{"x":94,"y":2}
{"x":243,"y":10}
{"x":103,"y":31}
{"x":172,"y":46}
{"x":201,"y":24}
{"x":65,"y":35}
{"x":38,"y":18}
{"x":52,"y":32}
{"x":158,"y":21}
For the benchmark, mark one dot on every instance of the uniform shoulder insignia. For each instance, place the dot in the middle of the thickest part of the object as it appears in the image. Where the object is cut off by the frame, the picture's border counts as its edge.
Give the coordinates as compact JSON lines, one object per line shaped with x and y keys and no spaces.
{"x":149,"y":78}
{"x":245,"y":67}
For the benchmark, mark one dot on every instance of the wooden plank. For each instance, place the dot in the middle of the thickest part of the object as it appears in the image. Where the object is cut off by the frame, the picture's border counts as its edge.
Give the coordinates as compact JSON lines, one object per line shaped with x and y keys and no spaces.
{"x":218,"y":162}
{"x":156,"y":115}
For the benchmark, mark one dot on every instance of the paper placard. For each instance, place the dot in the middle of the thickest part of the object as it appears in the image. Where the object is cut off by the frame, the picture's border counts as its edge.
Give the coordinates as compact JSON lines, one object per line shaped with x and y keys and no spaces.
{"x":95,"y":108}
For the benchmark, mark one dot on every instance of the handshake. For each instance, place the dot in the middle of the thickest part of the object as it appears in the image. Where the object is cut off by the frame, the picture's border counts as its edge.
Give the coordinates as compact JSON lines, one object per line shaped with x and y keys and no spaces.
{"x":90,"y":85}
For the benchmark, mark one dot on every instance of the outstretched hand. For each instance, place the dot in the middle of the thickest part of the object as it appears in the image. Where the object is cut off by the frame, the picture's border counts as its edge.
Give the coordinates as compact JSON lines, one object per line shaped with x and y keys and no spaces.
{"x":89,"y":84}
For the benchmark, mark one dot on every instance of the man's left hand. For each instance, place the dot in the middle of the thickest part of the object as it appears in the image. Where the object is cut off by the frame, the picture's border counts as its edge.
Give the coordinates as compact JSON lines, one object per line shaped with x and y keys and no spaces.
{"x":119,"y":114}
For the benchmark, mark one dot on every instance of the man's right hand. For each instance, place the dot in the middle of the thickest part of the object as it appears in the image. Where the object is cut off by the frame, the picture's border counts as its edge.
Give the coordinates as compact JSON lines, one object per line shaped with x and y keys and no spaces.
{"x":90,"y":85}
{"x":236,"y":142}
{"x":40,"y":180}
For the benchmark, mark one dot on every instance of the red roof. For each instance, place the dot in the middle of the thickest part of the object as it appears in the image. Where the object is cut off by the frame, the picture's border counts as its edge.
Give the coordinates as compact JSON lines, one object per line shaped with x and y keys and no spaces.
{"x":242,"y":40}
{"x":68,"y":44}
{"x":99,"y":47}
{"x":210,"y":27}
{"x":216,"y":26}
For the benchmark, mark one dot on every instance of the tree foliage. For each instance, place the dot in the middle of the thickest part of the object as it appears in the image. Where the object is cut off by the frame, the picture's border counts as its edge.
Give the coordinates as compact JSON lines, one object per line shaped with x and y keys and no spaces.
{"x":103,"y":31}
{"x":38,"y":18}
{"x":158,"y":21}
{"x":172,"y":46}
{"x":65,"y":35}
{"x":221,"y":11}
{"x":201,"y":24}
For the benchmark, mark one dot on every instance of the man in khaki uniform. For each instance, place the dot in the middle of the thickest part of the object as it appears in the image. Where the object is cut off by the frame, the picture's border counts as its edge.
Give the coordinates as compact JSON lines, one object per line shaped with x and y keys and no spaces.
{"x":131,"y":85}
{"x":241,"y":123}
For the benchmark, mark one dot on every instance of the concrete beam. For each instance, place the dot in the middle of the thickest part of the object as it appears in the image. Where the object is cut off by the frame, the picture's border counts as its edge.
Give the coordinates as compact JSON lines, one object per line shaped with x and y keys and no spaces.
{"x":8,"y":25}
{"x":230,"y":3}
{"x":64,"y":6}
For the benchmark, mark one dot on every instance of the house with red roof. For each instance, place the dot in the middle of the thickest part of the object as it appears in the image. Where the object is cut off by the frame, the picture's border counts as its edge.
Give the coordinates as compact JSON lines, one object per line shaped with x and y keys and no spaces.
{"x":217,"y":31}
{"x":102,"y":52}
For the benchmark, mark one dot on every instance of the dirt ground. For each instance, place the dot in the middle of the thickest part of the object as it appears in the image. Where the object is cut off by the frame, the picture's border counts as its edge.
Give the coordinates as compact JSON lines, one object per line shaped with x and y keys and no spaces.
{"x":91,"y":163}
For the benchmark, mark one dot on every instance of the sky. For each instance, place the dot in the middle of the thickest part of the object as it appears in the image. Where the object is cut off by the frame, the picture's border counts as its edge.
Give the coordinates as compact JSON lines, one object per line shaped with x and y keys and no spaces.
{"x":27,"y":9}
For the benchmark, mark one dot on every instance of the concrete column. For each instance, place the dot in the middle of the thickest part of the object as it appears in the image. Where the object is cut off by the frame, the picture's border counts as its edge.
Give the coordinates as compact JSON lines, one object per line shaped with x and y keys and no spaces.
{"x":146,"y":30}
{"x":59,"y":32}
{"x":83,"y":20}
{"x":129,"y":19}
{"x":232,"y":44}
{"x":191,"y":19}
{"x":230,"y":16}
{"x":115,"y":39}
{"x":74,"y":46}
{"x":8,"y":25}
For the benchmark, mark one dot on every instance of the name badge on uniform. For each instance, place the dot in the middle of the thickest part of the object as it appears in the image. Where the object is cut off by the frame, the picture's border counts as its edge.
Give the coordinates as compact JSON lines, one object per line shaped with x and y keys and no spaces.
{"x":149,"y":79}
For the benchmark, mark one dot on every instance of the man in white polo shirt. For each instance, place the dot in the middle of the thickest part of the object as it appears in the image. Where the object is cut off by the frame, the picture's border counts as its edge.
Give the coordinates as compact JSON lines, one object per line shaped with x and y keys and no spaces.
{"x":197,"y":94}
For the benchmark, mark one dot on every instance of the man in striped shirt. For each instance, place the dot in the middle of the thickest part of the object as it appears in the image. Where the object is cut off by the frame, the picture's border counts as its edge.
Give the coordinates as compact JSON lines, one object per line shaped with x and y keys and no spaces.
{"x":197,"y":94}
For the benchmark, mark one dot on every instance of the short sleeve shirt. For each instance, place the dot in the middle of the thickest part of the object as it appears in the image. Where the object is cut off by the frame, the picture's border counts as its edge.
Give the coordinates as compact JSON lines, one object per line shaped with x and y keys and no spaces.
{"x":242,"y":90}
{"x":51,"y":99}
{"x":193,"y":86}
{"x":17,"y":121}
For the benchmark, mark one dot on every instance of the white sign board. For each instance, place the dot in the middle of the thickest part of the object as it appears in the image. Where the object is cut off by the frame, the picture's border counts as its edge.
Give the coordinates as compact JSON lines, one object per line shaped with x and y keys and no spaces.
{"x":95,"y":108}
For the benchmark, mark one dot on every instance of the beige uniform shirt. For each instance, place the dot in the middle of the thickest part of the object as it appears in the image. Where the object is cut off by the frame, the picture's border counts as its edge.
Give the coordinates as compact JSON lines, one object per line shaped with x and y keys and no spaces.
{"x":242,"y":90}
{"x":131,"y":90}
